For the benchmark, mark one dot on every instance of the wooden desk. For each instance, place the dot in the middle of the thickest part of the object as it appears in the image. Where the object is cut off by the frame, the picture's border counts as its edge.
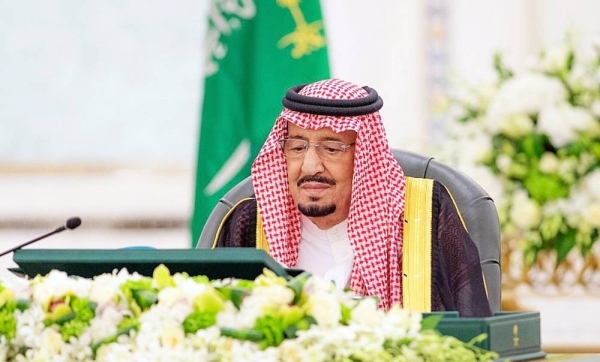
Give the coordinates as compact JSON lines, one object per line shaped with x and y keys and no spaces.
{"x":577,"y":357}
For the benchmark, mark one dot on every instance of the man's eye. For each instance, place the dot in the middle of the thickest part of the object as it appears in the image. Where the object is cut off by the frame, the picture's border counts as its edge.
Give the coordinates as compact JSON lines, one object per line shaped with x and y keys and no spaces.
{"x":299,"y":148}
{"x":331,"y":149}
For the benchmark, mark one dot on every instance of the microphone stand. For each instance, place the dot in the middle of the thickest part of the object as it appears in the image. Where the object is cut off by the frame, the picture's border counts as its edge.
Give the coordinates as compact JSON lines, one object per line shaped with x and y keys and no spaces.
{"x":71,"y":223}
{"x":33,"y":241}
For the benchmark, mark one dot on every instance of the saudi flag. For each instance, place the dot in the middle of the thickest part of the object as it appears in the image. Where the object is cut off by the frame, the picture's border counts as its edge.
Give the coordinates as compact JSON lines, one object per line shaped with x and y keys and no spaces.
{"x":255,"y":51}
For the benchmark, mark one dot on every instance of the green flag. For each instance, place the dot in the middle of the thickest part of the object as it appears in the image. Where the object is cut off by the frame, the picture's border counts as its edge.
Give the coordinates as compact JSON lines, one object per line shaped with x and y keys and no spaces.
{"x":255,"y":51}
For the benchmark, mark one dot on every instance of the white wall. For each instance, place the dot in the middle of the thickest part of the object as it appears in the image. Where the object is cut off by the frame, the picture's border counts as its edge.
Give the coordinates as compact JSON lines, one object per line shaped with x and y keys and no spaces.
{"x":516,"y":28}
{"x":109,"y":82}
{"x":379,"y":45}
{"x":119,"y":82}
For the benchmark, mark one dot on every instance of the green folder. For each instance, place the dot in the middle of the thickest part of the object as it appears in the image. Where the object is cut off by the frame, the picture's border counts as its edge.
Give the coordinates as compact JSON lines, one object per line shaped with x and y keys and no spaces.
{"x":242,"y":263}
{"x":515,"y":336}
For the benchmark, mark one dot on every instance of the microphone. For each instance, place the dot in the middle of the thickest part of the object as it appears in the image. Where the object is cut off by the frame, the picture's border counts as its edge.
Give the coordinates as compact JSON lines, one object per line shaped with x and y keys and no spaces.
{"x":71,"y":224}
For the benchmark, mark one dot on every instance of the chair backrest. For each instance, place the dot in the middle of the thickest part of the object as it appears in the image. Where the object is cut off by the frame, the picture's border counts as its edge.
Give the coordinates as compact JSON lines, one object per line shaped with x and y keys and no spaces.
{"x":475,"y":205}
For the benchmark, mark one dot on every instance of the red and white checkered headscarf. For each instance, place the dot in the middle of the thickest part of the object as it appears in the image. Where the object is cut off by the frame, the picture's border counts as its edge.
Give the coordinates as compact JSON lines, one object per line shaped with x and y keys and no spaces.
{"x":377,"y":202}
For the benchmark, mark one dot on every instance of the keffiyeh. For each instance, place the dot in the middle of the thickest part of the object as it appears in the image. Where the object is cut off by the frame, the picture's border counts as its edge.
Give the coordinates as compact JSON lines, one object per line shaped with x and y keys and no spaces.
{"x":377,"y":201}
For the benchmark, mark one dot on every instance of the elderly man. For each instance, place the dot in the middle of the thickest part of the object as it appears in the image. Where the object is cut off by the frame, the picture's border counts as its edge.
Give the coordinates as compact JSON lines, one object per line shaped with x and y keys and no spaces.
{"x":330,"y":199}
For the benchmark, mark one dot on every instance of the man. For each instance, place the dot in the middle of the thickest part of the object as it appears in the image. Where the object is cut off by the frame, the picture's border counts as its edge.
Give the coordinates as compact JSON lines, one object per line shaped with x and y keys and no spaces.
{"x":331,"y":200}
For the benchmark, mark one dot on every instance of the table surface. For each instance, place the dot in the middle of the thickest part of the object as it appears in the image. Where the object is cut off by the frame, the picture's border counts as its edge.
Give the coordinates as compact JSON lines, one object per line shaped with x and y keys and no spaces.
{"x":578,"y":357}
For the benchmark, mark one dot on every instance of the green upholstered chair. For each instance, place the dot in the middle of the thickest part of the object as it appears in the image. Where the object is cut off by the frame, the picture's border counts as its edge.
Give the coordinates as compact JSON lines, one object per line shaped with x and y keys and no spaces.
{"x":475,"y":205}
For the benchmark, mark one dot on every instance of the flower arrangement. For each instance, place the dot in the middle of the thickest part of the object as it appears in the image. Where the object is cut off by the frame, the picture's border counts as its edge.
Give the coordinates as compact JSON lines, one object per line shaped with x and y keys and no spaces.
{"x":532,"y":140}
{"x":129,"y":317}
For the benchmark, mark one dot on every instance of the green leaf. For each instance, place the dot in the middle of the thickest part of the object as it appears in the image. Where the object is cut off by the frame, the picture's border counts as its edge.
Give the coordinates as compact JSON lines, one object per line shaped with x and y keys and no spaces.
{"x":8,"y":323}
{"x":431,"y":321}
{"x":346,"y":314}
{"x":243,"y":334}
{"x":23,"y":304}
{"x":533,"y":145}
{"x":199,"y":320}
{"x":290,"y":315}
{"x":297,"y":285}
{"x":145,"y":298}
{"x":210,"y":301}
{"x":127,"y":325}
{"x":564,"y":245}
{"x":73,"y":328}
{"x":503,"y":72}
{"x":202,"y":279}
{"x":301,"y":325}
{"x":238,"y":295}
{"x":235,"y":294}
{"x":551,"y":226}
{"x":570,"y":60}
{"x":530,"y":255}
{"x":544,"y":187}
{"x":162,"y":277}
{"x":272,"y":329}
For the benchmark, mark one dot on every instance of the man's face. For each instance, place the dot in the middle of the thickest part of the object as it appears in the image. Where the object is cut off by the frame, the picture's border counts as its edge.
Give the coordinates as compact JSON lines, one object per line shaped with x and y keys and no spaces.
{"x":321,"y":188}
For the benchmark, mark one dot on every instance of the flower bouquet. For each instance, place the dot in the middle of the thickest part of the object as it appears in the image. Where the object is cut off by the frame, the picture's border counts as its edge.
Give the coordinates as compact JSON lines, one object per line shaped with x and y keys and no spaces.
{"x":532,"y":140}
{"x":129,"y":317}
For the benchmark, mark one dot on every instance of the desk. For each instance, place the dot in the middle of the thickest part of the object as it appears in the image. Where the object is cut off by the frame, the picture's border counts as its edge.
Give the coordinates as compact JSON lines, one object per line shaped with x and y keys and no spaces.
{"x":577,"y":357}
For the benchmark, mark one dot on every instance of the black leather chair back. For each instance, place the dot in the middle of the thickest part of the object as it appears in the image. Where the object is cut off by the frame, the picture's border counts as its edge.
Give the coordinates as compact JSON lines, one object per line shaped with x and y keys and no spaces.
{"x":475,"y":205}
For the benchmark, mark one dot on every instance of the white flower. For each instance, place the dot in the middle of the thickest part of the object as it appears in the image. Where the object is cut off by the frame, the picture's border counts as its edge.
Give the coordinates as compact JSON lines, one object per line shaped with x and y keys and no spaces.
{"x":503,"y":163}
{"x":275,"y":294}
{"x":580,"y":79}
{"x":58,"y":284}
{"x":515,"y":125}
{"x":481,"y":149}
{"x":567,"y":166}
{"x":188,"y":286}
{"x":325,"y":308}
{"x":591,"y":215}
{"x":317,"y":284}
{"x":292,"y":351}
{"x":170,"y":295}
{"x":591,"y":185}
{"x":576,"y":202}
{"x":172,"y":337}
{"x":106,"y":288}
{"x":52,"y":341}
{"x":525,"y":213}
{"x":555,"y":58}
{"x":30,"y":324}
{"x":106,"y":321}
{"x":526,"y":94}
{"x":595,"y":108}
{"x":115,"y":352}
{"x":366,"y":313}
{"x":549,"y":163}
{"x":562,"y":124}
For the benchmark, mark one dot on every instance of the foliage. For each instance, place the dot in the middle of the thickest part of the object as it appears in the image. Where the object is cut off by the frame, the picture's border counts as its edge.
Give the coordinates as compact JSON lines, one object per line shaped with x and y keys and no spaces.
{"x":128,"y":317}
{"x":532,"y":140}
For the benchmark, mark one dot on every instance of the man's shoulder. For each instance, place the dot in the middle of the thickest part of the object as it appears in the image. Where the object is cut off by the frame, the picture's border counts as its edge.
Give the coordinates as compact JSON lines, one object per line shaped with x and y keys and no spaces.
{"x":244,"y":205}
{"x":418,"y":183}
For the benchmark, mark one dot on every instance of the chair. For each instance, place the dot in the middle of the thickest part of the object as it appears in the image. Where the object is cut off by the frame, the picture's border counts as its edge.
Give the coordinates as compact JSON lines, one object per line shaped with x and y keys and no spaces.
{"x":475,"y":205}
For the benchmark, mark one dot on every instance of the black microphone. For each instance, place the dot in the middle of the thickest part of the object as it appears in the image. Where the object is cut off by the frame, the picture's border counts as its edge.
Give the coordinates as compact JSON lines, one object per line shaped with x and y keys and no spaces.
{"x":71,"y":224}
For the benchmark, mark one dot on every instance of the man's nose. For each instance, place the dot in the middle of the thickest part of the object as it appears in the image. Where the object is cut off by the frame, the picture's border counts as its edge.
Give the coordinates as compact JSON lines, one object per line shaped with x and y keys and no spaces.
{"x":312,"y":163}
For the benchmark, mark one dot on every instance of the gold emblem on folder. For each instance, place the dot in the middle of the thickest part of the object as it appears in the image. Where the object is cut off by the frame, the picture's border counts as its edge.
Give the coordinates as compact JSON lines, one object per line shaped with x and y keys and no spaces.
{"x":515,"y":335}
